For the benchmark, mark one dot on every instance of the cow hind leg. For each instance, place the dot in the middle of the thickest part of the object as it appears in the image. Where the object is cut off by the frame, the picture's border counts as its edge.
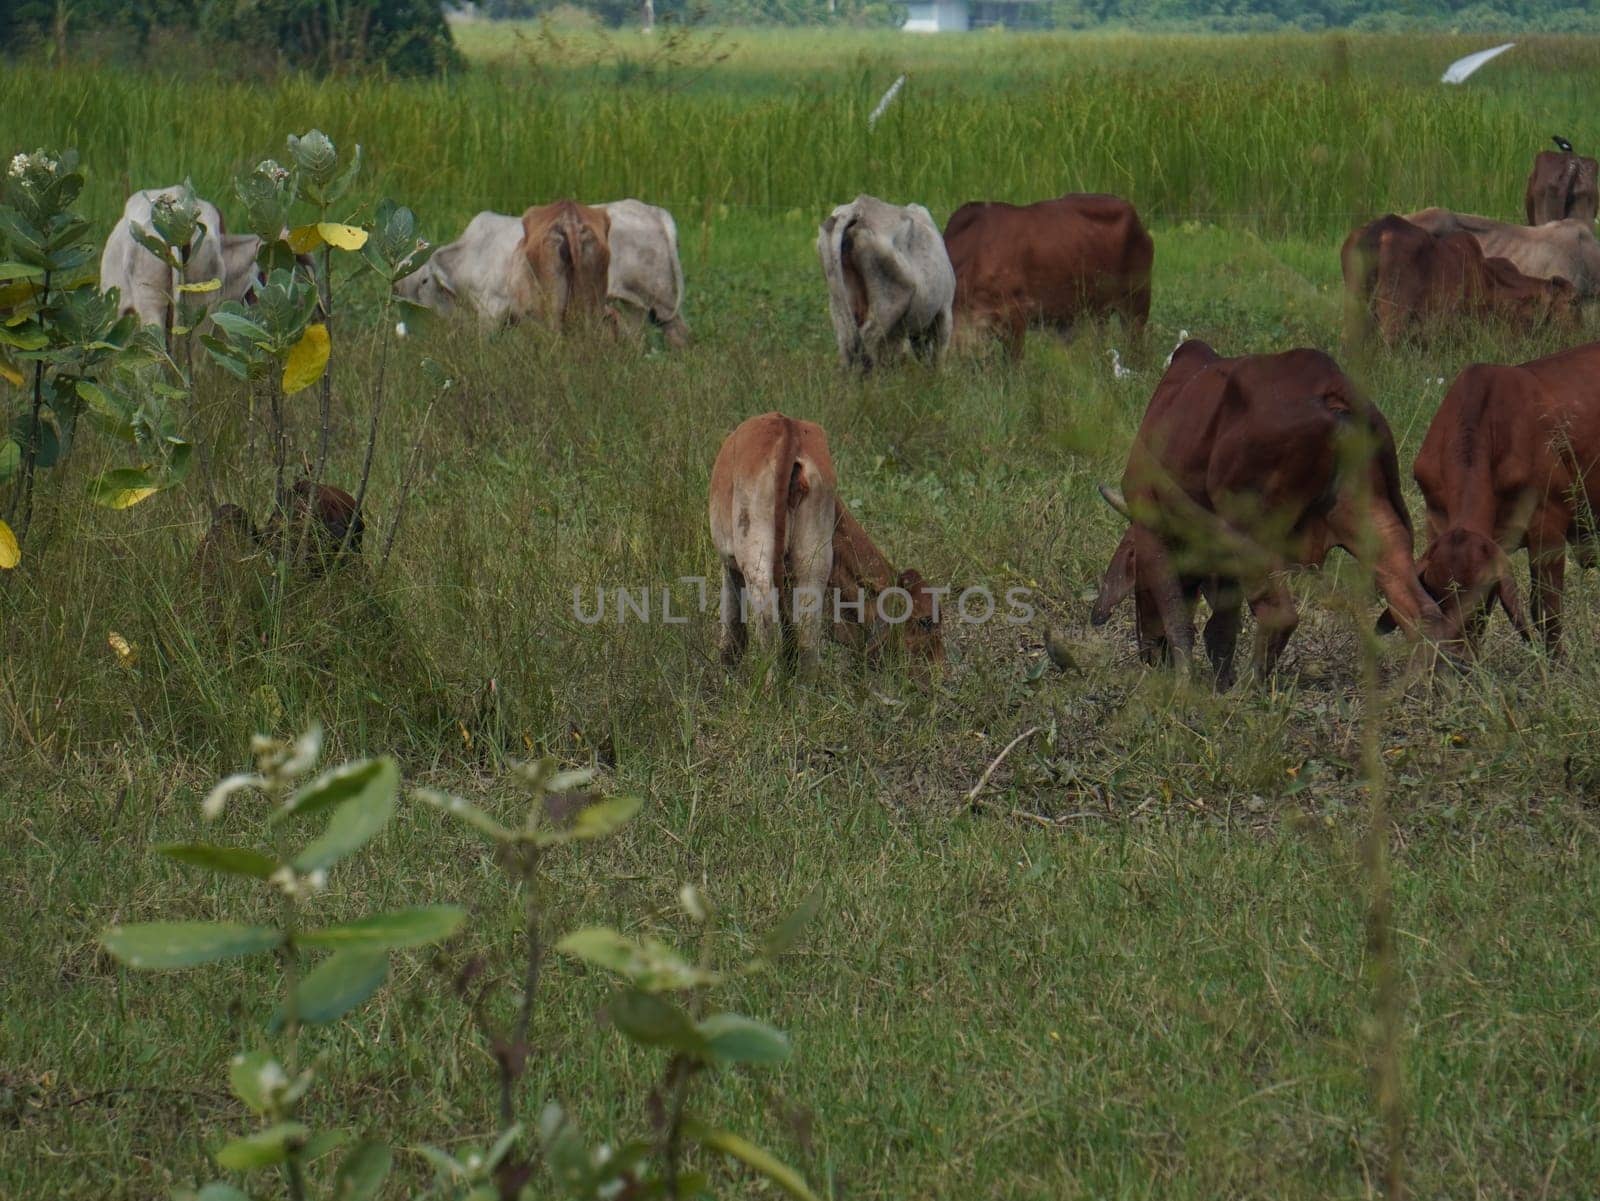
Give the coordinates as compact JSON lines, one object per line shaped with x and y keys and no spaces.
{"x":734,"y":634}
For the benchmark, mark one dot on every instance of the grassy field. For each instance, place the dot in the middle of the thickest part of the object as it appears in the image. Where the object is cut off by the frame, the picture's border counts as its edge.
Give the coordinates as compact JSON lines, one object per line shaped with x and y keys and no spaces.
{"x":1142,"y":970}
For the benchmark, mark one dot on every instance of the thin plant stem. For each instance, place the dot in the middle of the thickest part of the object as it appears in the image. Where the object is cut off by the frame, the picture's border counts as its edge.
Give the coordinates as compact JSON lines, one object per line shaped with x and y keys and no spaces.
{"x":406,"y":483}
{"x":325,"y":294}
{"x":377,"y":415}
{"x":30,"y":452}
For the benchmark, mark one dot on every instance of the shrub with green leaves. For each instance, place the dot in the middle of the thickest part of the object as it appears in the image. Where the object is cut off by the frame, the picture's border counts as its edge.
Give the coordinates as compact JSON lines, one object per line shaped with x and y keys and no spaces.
{"x":65,"y":353}
{"x":327,"y":970}
{"x":660,"y":1002}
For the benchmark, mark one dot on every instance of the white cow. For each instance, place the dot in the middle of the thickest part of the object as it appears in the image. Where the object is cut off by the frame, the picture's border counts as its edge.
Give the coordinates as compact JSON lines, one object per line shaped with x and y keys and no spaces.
{"x":484,"y":271}
{"x":147,"y":285}
{"x":646,"y":276}
{"x":889,"y":280}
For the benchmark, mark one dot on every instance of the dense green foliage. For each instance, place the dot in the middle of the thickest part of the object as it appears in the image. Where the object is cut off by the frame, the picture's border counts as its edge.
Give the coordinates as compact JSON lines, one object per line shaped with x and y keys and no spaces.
{"x":403,"y":37}
{"x":1139,"y":970}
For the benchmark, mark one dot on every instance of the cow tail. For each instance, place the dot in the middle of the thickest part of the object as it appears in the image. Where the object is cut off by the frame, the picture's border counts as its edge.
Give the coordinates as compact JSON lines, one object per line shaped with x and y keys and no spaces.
{"x":790,"y":488}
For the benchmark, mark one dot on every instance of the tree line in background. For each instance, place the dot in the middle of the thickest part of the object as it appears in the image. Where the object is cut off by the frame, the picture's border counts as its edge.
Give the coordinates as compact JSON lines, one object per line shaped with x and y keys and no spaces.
{"x":412,"y":37}
{"x":405,"y":37}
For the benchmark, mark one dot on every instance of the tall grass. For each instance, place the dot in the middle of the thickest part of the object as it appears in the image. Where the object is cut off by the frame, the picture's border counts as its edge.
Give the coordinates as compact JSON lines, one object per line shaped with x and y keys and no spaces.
{"x":1164,"y":122}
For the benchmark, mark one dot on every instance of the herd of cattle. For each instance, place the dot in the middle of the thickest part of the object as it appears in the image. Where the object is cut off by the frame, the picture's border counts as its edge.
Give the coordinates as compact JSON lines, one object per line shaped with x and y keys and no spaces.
{"x":1242,"y":467}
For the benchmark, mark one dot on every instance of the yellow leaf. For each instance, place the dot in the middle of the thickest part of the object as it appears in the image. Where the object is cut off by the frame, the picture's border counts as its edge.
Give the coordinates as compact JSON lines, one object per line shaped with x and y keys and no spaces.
{"x":304,"y":239}
{"x":126,"y":498}
{"x":127,"y":656}
{"x":308,"y":359}
{"x":209,"y":285}
{"x":345,"y":237}
{"x":10,"y":552}
{"x":10,"y":375}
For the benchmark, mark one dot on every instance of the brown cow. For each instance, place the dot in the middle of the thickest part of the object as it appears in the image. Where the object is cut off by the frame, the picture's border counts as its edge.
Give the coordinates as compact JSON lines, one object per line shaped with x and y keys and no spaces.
{"x":792,"y":554}
{"x":1240,"y":471}
{"x":1562,"y":185}
{"x":1398,"y":277}
{"x":1512,"y":459}
{"x":1050,"y":264}
{"x":567,"y":247}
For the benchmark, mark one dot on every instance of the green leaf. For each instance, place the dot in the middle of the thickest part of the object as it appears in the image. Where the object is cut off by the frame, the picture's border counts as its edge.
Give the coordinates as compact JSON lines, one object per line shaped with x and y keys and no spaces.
{"x":218,"y":1191}
{"x":240,"y":328}
{"x":606,"y":817}
{"x":209,"y":285}
{"x":789,"y":930}
{"x":362,"y":1172}
{"x":332,"y":787}
{"x":648,"y":1019}
{"x":24,"y":337}
{"x":163,"y":945}
{"x":446,"y":1165}
{"x":254,"y":1077}
{"x":123,"y":488}
{"x":405,"y":928}
{"x":261,"y":1149}
{"x":737,"y":1039}
{"x":233,"y":861}
{"x":320,"y":1143}
{"x":355,"y":821}
{"x":338,"y":984}
{"x":651,"y":965}
{"x":465,"y":811}
{"x":10,"y":459}
{"x":9,"y":271}
{"x":752,"y":1156}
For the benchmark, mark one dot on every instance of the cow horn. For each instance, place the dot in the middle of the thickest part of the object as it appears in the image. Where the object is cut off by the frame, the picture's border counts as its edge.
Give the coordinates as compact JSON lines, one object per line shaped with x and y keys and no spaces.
{"x":1115,"y":499}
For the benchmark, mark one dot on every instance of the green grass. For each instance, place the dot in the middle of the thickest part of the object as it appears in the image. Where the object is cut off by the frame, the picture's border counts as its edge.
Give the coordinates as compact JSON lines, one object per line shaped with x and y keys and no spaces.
{"x":1163,"y":995}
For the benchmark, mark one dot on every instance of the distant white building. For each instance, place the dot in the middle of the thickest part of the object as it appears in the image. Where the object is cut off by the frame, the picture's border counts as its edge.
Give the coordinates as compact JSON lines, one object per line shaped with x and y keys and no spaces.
{"x":958,"y":16}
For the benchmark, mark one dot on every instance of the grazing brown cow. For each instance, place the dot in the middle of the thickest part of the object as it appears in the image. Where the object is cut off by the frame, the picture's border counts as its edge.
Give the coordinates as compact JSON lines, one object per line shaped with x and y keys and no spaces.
{"x":1512,"y":459}
{"x":1050,"y":263}
{"x":1240,"y":471}
{"x":567,"y":247}
{"x":793,"y":556}
{"x":1398,"y":277}
{"x":1562,"y":185}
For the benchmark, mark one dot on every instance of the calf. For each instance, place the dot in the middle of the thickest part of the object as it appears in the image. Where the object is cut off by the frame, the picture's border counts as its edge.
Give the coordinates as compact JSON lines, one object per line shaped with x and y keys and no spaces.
{"x":1246,"y":468}
{"x":1562,"y":185}
{"x":793,"y":556}
{"x":889,"y":281}
{"x":565,"y":246}
{"x":1510,"y":461}
{"x":1051,"y":264}
{"x":1400,"y":278}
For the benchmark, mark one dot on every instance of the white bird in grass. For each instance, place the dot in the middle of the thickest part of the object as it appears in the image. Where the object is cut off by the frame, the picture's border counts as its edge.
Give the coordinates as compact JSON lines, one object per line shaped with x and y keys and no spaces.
{"x":1118,"y":371}
{"x":400,"y":329}
{"x":1183,"y":336}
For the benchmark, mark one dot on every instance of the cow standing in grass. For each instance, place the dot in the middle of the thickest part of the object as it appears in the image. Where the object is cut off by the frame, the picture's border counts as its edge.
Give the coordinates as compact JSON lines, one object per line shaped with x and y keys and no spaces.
{"x":148,"y":287}
{"x":1565,"y":249}
{"x":1245,"y":467}
{"x":1511,"y":460}
{"x":794,"y":558}
{"x":566,"y":248}
{"x":1051,"y":264}
{"x":890,"y":284}
{"x":1400,"y":279}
